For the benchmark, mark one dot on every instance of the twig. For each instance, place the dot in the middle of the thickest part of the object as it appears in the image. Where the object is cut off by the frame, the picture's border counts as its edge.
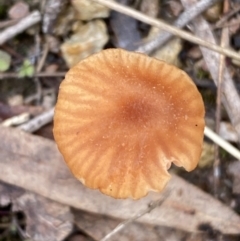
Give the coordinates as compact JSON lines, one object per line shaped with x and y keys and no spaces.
{"x":224,"y":43}
{"x":40,"y":63}
{"x":36,"y":80}
{"x":43,"y":58}
{"x":124,"y":224}
{"x":167,"y":27}
{"x":37,"y":122}
{"x":222,"y":143}
{"x":40,"y":75}
{"x":16,"y":120}
{"x":182,"y":20}
{"x":25,"y":23}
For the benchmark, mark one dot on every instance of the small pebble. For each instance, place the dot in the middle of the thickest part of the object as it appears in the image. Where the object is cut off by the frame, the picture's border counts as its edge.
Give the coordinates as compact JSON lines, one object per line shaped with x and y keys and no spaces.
{"x":18,"y":10}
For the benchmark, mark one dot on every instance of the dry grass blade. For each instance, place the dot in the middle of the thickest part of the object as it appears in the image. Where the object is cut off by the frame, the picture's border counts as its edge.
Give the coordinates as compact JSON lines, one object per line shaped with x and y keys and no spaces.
{"x":164,"y":26}
{"x":221,"y":142}
{"x":224,"y":43}
{"x":16,"y":120}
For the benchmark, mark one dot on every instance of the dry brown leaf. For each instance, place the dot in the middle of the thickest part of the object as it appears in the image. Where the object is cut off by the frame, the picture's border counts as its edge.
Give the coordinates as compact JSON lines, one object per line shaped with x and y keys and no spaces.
{"x":89,"y":10}
{"x":35,"y":164}
{"x":88,"y":38}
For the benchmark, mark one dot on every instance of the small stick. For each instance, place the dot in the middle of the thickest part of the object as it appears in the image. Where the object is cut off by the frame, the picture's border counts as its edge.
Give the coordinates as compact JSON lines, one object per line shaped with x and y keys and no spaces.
{"x":22,"y":25}
{"x":167,"y":27}
{"x":41,"y":75}
{"x":16,"y":120}
{"x":222,"y":143}
{"x":36,"y":80}
{"x":43,"y":58}
{"x":123,"y":224}
{"x":39,"y":121}
{"x":224,"y":43}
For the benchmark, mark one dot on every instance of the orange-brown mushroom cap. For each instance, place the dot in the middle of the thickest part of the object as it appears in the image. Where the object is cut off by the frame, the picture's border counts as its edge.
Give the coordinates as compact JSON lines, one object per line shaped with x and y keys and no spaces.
{"x":122,"y":118}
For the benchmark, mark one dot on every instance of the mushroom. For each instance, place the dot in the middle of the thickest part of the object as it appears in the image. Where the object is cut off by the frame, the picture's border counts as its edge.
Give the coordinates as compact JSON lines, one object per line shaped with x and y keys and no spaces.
{"x":122,"y":118}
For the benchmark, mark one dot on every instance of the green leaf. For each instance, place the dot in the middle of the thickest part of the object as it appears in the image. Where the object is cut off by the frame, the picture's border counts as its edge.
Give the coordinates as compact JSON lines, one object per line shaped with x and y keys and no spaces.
{"x":5,"y":61}
{"x":27,"y":69}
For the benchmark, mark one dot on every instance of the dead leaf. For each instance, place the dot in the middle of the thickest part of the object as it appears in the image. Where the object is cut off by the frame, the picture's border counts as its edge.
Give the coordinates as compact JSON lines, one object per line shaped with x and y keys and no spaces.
{"x":8,"y":193}
{"x":168,"y":52}
{"x":125,"y":29}
{"x":227,"y":132}
{"x":87,"y":39}
{"x":234,"y":169}
{"x":35,"y":164}
{"x":90,"y":10}
{"x":46,"y":219}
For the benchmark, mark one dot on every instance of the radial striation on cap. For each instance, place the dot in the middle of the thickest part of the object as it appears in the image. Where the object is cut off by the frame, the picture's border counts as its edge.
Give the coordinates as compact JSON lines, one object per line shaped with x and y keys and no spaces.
{"x":122,"y":118}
